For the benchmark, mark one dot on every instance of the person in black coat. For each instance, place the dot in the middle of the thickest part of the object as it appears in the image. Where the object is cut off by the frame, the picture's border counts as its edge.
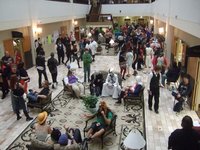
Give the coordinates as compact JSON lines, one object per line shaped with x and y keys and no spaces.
{"x":60,"y":51}
{"x":185,"y":138}
{"x":41,"y":68}
{"x":173,"y":73}
{"x":96,"y":84}
{"x":52,"y":64}
{"x":40,"y":50}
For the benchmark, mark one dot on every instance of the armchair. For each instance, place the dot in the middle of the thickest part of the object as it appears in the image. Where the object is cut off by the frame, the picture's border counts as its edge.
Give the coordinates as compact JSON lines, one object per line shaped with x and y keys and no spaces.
{"x":110,"y":129}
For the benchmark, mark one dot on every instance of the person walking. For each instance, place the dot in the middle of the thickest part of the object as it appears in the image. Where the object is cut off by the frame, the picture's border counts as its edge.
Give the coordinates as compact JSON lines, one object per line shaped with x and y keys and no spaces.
{"x":154,"y":83}
{"x":60,"y":51}
{"x":41,"y":68}
{"x":87,"y":60}
{"x":52,"y":64}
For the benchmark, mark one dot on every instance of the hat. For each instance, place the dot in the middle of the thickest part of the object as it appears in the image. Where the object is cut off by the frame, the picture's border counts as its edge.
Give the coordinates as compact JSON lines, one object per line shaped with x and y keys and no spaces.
{"x":63,"y":139}
{"x":41,"y":118}
{"x":55,"y":134}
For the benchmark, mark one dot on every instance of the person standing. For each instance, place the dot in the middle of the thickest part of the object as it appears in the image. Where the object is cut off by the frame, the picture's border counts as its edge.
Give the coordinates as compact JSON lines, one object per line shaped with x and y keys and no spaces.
{"x":19,"y":102}
{"x":129,"y":60}
{"x":149,"y":54}
{"x":52,"y":64}
{"x":75,"y":55}
{"x":93,"y":47}
{"x":154,"y":83}
{"x":41,"y":68}
{"x":87,"y":60}
{"x":60,"y":51}
{"x":40,"y":49}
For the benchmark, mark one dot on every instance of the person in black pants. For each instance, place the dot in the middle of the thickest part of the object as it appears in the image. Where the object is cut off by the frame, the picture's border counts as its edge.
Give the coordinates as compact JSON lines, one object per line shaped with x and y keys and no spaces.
{"x":60,"y":51}
{"x":18,"y":92}
{"x":135,"y":59}
{"x":52,"y":65}
{"x":154,"y":82}
{"x":75,"y":55}
{"x":2,"y":85}
{"x":41,"y":68}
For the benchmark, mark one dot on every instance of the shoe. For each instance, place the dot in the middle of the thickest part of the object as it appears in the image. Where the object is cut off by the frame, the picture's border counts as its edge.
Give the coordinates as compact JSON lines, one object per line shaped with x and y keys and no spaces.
{"x":118,"y":102}
{"x":3,"y":96}
{"x":150,"y":108}
{"x":156,"y":111}
{"x":88,"y":139}
{"x":79,"y":67}
{"x":19,"y":117}
{"x":40,"y":87}
{"x":123,"y":78}
{"x":29,"y":118}
{"x":53,"y":86}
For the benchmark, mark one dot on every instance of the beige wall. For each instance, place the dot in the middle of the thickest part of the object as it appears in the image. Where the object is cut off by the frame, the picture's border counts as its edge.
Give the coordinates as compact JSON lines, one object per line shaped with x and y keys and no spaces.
{"x":189,"y":39}
{"x":5,"y":35}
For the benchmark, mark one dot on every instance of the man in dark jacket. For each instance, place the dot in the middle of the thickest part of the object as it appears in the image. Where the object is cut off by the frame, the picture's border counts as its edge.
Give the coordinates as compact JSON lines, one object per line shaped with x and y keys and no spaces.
{"x":40,"y":50}
{"x":185,"y":138}
{"x":52,"y":65}
{"x":41,"y":68}
{"x":60,"y":51}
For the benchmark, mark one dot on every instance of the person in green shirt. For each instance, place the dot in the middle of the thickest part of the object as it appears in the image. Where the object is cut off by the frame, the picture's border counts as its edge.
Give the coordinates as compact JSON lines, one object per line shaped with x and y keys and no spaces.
{"x":103,"y":119}
{"x":87,"y":60}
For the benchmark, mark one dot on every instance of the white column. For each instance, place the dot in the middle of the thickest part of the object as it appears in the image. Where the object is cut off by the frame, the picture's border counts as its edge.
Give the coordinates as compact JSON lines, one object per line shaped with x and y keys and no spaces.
{"x":169,"y":37}
{"x":71,"y":1}
{"x":155,"y":26}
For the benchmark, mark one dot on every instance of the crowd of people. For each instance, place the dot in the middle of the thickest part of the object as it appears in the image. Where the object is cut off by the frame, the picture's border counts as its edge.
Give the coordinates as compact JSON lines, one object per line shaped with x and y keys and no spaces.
{"x":137,"y":48}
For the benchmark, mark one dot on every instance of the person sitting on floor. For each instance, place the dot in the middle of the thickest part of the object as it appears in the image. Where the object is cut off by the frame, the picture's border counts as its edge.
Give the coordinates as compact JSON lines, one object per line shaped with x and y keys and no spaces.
{"x":96,"y":84}
{"x":72,"y":80}
{"x":33,"y":96}
{"x":41,"y":128}
{"x":103,"y":119}
{"x":132,"y":90}
{"x":183,"y":91}
{"x":111,"y":86}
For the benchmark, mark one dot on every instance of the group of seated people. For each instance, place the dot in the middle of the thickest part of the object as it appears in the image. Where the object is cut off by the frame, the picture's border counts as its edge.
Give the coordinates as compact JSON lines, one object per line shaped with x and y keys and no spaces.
{"x":72,"y":135}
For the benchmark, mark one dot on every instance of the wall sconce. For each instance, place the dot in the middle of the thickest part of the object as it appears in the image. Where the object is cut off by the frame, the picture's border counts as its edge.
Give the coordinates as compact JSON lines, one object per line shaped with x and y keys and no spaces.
{"x":75,"y":23}
{"x":127,"y":17}
{"x":37,"y":30}
{"x":151,"y":21}
{"x":161,"y":30}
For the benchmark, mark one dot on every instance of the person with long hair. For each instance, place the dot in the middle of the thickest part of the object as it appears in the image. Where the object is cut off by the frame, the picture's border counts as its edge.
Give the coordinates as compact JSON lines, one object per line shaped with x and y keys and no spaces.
{"x":103,"y":119}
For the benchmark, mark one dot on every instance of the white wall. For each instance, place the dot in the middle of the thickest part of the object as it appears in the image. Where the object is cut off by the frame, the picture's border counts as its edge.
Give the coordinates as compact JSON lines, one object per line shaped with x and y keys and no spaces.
{"x":182,"y":14}
{"x":20,"y":13}
{"x":127,"y":9}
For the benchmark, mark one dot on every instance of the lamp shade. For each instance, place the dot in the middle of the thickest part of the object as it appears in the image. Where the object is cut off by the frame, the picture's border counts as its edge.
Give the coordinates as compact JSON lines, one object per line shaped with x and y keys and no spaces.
{"x":134,"y":140}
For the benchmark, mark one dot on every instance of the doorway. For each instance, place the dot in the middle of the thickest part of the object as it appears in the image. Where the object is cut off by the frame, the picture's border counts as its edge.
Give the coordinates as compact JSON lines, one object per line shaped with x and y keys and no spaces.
{"x":197,"y":90}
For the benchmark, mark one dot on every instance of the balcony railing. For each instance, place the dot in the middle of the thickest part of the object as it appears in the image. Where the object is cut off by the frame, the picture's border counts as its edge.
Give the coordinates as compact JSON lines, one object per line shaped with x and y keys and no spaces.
{"x":108,"y":1}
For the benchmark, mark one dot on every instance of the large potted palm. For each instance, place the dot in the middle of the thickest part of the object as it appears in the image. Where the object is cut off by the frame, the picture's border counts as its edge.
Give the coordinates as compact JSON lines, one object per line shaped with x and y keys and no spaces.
{"x":90,"y":103}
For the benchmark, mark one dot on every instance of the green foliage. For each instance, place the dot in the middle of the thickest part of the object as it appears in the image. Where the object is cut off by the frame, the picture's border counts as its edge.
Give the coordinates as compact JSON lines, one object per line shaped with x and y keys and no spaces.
{"x":90,"y":101}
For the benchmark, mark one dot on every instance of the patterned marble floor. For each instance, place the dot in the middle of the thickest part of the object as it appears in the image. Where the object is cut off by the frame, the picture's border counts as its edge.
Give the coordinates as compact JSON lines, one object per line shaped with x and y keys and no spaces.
{"x":158,"y":126}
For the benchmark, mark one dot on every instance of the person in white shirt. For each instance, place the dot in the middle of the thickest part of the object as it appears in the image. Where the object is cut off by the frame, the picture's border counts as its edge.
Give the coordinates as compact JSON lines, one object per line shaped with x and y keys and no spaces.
{"x":129,"y":61}
{"x":111,"y":86}
{"x":149,"y":54}
{"x":154,"y":84}
{"x":93,"y":47}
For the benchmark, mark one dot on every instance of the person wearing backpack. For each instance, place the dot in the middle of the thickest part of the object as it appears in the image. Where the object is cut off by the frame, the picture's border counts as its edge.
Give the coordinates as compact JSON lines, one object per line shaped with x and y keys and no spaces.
{"x":183,"y":91}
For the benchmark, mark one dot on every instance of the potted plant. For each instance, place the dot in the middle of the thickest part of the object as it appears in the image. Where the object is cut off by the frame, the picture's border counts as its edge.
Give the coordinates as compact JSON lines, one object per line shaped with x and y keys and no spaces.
{"x":90,"y":102}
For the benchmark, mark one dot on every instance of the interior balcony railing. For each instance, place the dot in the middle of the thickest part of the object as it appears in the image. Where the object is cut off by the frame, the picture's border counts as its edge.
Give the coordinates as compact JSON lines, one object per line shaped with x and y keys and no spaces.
{"x":102,"y":18}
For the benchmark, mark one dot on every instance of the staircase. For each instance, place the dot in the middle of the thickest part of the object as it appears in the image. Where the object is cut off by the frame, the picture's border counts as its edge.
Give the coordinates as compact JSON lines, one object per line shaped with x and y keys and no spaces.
{"x":96,"y":19}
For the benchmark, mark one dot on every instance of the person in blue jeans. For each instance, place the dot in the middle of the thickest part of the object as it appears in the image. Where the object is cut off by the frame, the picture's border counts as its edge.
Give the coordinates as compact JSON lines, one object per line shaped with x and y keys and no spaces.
{"x":34,"y":95}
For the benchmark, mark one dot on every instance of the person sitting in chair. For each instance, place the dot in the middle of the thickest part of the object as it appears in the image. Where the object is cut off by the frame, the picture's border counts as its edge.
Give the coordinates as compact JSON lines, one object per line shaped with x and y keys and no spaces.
{"x":103,"y":120}
{"x":73,"y":81}
{"x":33,"y":96}
{"x":183,"y":91}
{"x":111,"y":86}
{"x":96,"y":84}
{"x":131,"y":90}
